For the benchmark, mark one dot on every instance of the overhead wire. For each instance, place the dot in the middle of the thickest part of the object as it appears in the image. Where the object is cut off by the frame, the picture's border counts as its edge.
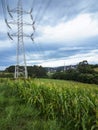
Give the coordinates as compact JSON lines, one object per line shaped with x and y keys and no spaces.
{"x":35,"y":49}
{"x":38,"y":18}
{"x":28,"y":50}
{"x":4,"y":2}
{"x":41,"y":16}
{"x":38,"y":11}
{"x":33,"y":4}
{"x":44,"y":11}
{"x":4,"y":8}
{"x":40,"y":50}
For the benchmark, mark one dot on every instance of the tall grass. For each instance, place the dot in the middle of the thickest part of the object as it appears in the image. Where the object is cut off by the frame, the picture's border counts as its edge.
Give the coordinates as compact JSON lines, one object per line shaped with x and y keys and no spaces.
{"x":53,"y":105}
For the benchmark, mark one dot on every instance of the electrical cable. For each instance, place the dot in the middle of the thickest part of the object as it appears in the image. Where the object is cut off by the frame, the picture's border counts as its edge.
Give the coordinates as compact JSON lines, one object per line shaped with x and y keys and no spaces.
{"x":39,"y":47}
{"x":32,"y":4}
{"x":3,"y":7}
{"x":4,"y":3}
{"x":38,"y":11}
{"x":44,"y":11}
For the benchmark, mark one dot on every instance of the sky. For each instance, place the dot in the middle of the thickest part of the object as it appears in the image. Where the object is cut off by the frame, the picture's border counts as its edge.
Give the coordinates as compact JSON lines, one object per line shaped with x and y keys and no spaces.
{"x":66,"y":32}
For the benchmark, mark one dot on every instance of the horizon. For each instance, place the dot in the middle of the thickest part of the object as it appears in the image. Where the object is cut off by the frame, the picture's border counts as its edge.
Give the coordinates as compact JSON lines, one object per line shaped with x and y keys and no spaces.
{"x":48,"y":66}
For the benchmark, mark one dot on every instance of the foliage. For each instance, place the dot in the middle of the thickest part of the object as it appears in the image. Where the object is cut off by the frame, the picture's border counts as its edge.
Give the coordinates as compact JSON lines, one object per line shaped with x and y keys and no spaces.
{"x":48,"y":105}
{"x":84,"y":73}
{"x":6,"y":75}
{"x":10,"y":69}
{"x":84,"y":67}
{"x":33,"y":71}
{"x":37,"y":71}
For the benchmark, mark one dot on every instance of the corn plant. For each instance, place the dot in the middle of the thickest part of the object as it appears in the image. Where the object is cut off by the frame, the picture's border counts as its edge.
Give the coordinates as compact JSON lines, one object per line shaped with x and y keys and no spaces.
{"x":72,"y":105}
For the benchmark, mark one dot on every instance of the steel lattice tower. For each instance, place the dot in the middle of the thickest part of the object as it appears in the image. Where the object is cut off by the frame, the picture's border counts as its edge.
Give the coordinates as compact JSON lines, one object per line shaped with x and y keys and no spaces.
{"x":20,"y":70}
{"x":20,"y":44}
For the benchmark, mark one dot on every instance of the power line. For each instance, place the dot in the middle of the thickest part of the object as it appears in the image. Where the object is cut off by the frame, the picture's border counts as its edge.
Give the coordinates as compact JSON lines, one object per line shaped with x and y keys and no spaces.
{"x":4,"y":8}
{"x":40,"y":49}
{"x":38,"y":11}
{"x":20,"y":56}
{"x":33,"y":3}
{"x":44,"y":11}
{"x":37,"y":19}
{"x":37,"y":49}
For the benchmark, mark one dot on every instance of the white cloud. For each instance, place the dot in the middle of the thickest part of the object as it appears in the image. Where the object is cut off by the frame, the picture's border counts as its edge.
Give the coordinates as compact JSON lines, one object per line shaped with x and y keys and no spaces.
{"x":3,"y":27}
{"x":5,"y":44}
{"x":2,"y":67}
{"x":82,"y":26}
{"x":70,"y":48}
{"x":91,"y":57}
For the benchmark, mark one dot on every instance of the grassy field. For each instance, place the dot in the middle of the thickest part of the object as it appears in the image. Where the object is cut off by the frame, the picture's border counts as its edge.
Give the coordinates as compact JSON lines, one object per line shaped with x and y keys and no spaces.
{"x":43,"y":104}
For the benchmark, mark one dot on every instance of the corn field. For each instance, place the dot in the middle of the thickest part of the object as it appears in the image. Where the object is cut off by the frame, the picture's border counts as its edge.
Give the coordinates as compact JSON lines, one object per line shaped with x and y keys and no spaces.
{"x":73,"y":105}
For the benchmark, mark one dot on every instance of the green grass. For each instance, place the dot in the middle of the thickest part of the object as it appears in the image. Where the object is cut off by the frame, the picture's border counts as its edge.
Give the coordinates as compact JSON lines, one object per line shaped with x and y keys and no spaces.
{"x":42,"y":104}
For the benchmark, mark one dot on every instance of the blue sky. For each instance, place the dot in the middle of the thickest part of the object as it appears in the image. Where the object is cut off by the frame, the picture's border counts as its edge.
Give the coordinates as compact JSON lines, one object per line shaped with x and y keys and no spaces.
{"x":66,"y":33}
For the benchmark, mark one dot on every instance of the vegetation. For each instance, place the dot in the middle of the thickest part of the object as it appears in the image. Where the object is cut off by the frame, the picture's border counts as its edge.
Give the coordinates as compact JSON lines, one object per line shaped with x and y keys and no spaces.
{"x":6,"y":75}
{"x":48,"y":105}
{"x":33,"y":71}
{"x":84,"y":73}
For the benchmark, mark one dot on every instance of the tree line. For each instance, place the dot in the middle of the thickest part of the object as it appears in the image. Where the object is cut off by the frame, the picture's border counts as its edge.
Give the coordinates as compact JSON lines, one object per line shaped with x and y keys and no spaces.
{"x":83,"y":73}
{"x":33,"y":72}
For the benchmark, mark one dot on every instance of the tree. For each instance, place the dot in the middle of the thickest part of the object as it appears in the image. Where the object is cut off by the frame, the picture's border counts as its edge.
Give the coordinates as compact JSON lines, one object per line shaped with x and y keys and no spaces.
{"x":33,"y":71}
{"x":37,"y":71}
{"x":84,"y":67}
{"x":10,"y":69}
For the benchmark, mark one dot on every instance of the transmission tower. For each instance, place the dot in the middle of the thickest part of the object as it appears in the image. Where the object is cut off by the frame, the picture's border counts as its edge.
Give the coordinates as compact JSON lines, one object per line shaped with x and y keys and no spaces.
{"x":20,"y":70}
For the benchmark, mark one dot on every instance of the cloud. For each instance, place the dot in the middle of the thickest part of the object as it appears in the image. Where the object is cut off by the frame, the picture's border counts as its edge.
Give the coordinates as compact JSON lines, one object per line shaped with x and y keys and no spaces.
{"x":2,"y":67}
{"x":91,"y":57}
{"x":81,"y":27}
{"x":3,"y":27}
{"x":64,"y":10}
{"x":66,"y":31}
{"x":5,"y":45}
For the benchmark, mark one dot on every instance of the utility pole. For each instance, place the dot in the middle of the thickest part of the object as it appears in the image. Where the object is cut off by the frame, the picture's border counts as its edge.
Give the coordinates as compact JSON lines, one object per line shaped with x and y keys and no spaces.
{"x":20,"y":70}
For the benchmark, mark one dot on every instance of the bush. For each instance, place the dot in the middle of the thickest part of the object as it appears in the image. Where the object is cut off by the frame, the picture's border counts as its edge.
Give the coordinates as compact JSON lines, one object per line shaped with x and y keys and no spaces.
{"x":76,"y":76}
